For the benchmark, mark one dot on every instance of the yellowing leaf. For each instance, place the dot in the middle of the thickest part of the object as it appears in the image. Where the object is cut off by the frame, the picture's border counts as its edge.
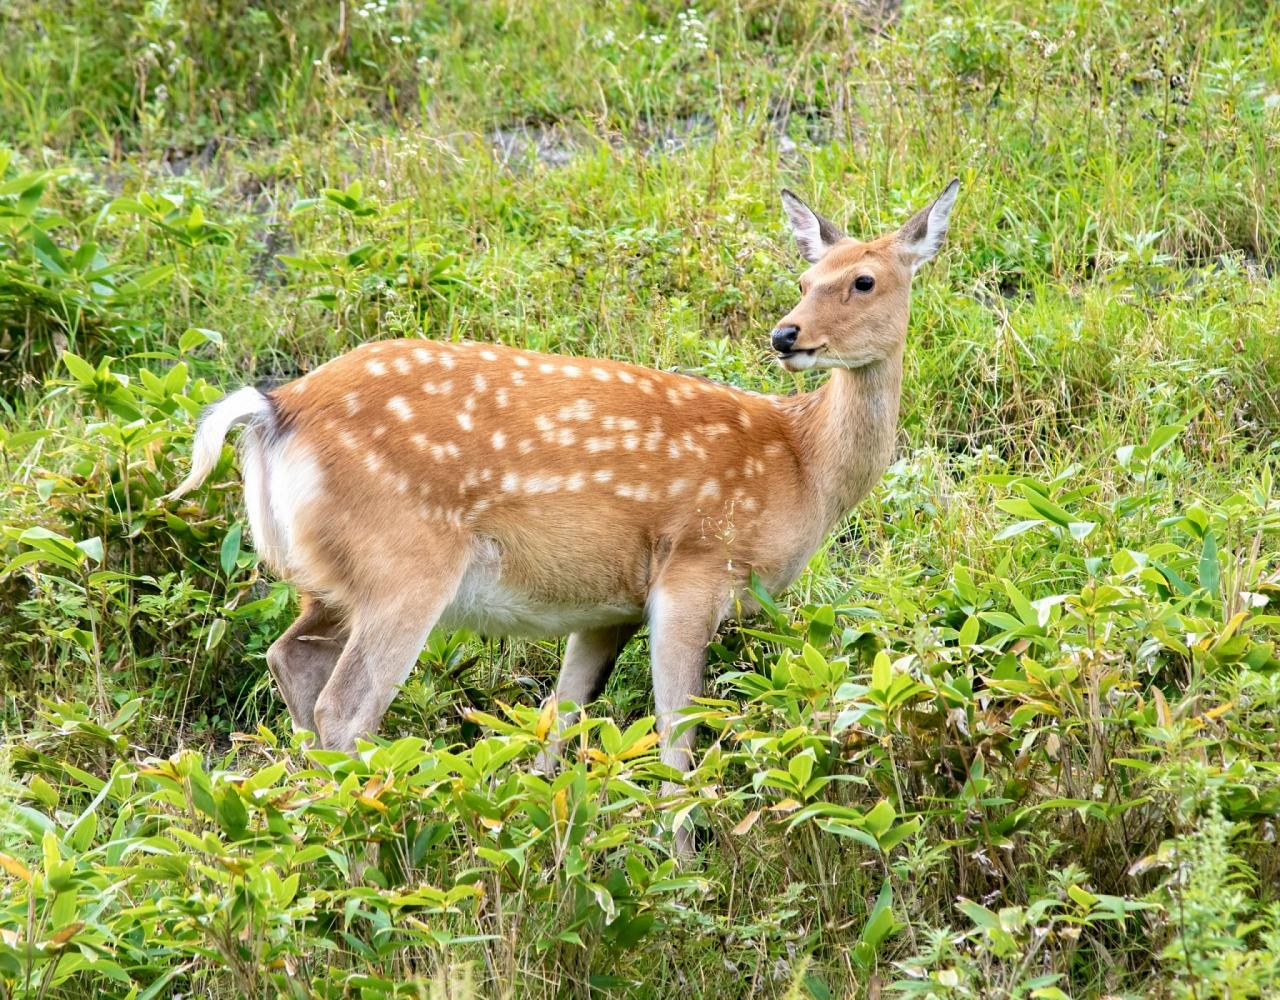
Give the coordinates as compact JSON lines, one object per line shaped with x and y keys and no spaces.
{"x":67,"y":933}
{"x":642,"y":745}
{"x":746,"y":823}
{"x":15,"y":867}
{"x":786,"y":805}
{"x":546,"y":720}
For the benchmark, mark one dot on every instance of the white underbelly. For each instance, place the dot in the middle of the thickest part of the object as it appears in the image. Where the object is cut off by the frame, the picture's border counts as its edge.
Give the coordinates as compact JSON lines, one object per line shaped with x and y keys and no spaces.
{"x":488,"y":604}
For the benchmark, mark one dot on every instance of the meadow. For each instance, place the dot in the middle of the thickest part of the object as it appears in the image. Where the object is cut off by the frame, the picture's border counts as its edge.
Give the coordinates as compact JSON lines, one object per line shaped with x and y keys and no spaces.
{"x":1013,"y":734}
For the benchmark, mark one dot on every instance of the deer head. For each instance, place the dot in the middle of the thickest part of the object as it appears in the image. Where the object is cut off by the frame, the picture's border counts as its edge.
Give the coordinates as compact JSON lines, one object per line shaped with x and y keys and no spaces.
{"x":853,"y":299}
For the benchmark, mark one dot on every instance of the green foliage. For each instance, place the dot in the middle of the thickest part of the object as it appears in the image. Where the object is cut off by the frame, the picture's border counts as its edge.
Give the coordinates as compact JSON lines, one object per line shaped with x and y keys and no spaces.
{"x":1011,"y":735}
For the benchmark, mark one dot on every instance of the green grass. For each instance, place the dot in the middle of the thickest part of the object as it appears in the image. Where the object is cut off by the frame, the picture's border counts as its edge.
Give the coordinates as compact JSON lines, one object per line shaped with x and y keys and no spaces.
{"x":1013,"y":733}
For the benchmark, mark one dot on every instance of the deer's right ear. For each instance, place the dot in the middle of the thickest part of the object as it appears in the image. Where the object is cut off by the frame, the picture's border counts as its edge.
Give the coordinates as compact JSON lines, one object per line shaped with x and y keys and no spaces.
{"x":814,"y":234}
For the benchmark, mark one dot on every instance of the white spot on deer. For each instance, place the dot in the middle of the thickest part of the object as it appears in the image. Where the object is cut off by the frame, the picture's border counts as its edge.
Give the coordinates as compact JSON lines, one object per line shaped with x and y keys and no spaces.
{"x":749,"y":504}
{"x":401,"y":365}
{"x":447,"y":360}
{"x":510,"y":482}
{"x":709,"y":490}
{"x":692,"y":446}
{"x":580,"y":409}
{"x":422,"y":355}
{"x":521,"y":361}
{"x":714,"y":430}
{"x":465,"y":421}
{"x":571,"y":371}
{"x":481,"y":505}
{"x":401,"y":482}
{"x":525,"y":446}
{"x":631,"y":442}
{"x":564,"y":437}
{"x":379,"y":430}
{"x":488,"y":355}
{"x":575,"y":482}
{"x":546,"y":368}
{"x":676,"y":487}
{"x":602,"y":475}
{"x":352,"y":399}
{"x":652,"y":440}
{"x":398,"y":406}
{"x":348,"y":440}
{"x":626,"y":376}
{"x":375,"y":368}
{"x":419,"y":441}
{"x":744,"y":420}
{"x":543,"y":423}
{"x":646,"y":386}
{"x":640,"y":492}
{"x":372,"y":462}
{"x":479,"y":382}
{"x":375,"y":349}
{"x":600,"y":375}
{"x":499,"y":440}
{"x":437,"y":452}
{"x":597,"y":444}
{"x":538,"y":483}
{"x":451,"y":449}
{"x":687,"y":389}
{"x":517,"y":378}
{"x":673,"y":450}
{"x":502,"y":397}
{"x":673,"y":397}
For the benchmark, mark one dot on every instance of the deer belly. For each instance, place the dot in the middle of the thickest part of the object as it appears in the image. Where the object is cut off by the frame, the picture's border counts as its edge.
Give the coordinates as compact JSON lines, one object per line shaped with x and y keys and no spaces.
{"x":492,"y":605}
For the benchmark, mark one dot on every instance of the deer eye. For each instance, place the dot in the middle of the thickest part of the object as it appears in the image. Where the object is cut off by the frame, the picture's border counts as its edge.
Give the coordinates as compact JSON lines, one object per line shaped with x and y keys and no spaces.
{"x":864,"y":283}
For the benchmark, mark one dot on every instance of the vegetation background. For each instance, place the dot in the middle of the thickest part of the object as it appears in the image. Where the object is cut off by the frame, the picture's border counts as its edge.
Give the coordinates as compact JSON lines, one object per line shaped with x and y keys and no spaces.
{"x":1013,"y":734}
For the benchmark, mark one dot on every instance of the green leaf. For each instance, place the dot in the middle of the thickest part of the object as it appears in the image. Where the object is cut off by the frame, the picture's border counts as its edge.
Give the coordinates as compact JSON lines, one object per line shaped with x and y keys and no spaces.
{"x":1210,"y":572}
{"x":194,"y":336}
{"x":230,"y":549}
{"x":80,"y":370}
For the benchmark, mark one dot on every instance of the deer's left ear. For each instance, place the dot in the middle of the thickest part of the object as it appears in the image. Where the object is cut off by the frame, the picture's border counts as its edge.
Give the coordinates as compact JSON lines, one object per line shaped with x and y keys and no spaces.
{"x":924,"y":232}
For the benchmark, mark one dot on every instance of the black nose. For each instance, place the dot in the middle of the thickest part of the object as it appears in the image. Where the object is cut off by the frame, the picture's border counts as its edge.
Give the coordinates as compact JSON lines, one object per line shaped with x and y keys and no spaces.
{"x":784,"y":338}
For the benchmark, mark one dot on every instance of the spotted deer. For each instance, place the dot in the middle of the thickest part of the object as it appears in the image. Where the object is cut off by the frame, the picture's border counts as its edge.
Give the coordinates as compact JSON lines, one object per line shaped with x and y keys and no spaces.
{"x":409,"y":484}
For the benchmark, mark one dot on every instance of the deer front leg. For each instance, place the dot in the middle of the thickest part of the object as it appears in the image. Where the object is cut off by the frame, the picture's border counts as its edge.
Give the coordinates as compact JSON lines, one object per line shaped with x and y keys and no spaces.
{"x":589,"y":658}
{"x":684,"y":612}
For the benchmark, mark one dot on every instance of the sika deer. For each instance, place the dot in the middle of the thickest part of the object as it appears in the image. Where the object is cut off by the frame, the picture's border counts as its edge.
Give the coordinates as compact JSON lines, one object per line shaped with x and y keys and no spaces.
{"x":409,"y":483}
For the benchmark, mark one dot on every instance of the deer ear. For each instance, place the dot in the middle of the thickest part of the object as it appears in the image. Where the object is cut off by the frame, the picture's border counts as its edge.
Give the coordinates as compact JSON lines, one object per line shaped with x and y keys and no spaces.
{"x":814,"y":234}
{"x":924,"y":232}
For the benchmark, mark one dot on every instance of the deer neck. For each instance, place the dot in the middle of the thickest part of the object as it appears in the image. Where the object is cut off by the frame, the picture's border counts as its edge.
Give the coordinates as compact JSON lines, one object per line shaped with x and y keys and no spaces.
{"x":845,"y":432}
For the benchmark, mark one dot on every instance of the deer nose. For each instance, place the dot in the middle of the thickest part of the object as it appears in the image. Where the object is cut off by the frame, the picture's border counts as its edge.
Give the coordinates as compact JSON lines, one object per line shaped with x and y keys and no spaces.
{"x":784,"y":338}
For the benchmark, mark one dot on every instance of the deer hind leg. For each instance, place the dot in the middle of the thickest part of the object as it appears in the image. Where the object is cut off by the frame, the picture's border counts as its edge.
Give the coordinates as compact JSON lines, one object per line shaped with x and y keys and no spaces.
{"x":589,"y":658}
{"x":388,"y":630}
{"x":685,"y":609}
{"x":302,"y":659}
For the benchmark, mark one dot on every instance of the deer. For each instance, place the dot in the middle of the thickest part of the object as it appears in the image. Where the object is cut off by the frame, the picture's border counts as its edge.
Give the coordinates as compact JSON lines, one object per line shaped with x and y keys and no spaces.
{"x":410,"y":484}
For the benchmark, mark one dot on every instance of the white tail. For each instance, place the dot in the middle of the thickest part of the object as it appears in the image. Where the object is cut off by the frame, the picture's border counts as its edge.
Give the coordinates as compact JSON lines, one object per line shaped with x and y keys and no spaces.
{"x":242,"y":405}
{"x":409,"y":483}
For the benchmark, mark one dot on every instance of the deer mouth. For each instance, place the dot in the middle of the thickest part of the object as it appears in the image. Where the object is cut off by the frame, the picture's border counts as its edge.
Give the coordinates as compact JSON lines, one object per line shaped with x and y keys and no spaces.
{"x":801,"y":359}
